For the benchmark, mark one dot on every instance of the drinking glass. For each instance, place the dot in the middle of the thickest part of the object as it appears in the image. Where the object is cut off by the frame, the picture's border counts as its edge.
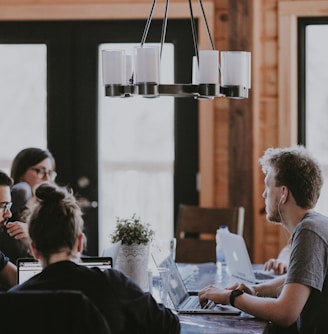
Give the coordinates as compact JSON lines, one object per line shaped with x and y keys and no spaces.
{"x":161,"y":285}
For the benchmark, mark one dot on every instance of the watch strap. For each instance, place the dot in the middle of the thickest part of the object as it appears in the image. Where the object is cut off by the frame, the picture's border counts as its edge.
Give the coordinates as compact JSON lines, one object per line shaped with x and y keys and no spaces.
{"x":233,"y":295}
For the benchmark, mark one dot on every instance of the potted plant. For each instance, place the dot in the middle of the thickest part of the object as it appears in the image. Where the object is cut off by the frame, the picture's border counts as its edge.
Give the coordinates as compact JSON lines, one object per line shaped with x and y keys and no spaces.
{"x":133,"y":255}
{"x":132,"y":231}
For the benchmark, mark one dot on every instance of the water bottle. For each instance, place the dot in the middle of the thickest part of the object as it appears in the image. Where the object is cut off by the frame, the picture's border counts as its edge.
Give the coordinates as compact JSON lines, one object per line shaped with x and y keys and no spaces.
{"x":220,"y":259}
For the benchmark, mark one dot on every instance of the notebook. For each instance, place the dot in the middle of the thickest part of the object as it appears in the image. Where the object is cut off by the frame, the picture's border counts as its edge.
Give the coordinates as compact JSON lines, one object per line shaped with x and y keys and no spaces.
{"x":28,"y":267}
{"x":238,"y":260}
{"x":182,"y":301}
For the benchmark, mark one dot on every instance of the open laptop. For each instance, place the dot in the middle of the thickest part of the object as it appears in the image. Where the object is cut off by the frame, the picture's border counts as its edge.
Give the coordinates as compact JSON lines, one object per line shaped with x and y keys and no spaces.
{"x":238,"y":260}
{"x":28,"y":267}
{"x":112,"y":251}
{"x":182,"y":301}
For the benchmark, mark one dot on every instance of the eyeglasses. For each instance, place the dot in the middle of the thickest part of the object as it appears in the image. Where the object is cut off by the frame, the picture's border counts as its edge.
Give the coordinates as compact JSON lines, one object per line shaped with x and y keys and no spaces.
{"x":5,"y":206}
{"x":42,"y":172}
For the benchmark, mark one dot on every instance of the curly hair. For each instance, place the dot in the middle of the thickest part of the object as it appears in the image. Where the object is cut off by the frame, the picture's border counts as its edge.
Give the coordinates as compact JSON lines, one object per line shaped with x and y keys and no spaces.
{"x":296,"y":169}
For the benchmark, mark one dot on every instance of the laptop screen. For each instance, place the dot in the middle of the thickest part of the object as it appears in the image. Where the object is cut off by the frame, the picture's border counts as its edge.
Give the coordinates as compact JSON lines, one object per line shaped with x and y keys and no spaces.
{"x":28,"y":267}
{"x":177,"y":290}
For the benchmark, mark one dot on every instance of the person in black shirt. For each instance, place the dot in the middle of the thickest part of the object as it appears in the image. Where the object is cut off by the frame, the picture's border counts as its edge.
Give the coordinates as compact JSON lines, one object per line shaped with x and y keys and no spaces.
{"x":55,"y":226}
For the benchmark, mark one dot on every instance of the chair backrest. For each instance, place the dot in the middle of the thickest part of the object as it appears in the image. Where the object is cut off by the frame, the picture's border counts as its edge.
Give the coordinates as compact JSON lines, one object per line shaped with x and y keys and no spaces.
{"x":51,"y":312}
{"x":196,"y":231}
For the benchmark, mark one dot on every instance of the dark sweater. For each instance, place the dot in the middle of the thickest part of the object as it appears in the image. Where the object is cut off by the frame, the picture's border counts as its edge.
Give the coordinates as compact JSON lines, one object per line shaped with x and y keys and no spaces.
{"x":126,"y":307}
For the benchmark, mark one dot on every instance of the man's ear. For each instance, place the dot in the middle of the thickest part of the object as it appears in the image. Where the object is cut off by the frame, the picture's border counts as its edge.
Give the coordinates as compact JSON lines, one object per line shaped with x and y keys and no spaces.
{"x":80,"y":243}
{"x":284,"y":195}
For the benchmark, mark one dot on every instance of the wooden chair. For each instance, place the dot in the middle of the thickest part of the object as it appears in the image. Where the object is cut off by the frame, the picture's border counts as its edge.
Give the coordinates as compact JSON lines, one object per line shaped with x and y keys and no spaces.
{"x":196,"y":231}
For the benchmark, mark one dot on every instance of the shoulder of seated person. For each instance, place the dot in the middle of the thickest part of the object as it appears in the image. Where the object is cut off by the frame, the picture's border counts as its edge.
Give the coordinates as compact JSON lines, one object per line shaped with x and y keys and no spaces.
{"x":22,"y":187}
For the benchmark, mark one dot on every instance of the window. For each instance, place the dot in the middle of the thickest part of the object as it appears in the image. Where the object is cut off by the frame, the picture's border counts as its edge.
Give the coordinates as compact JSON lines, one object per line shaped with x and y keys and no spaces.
{"x":23,"y":96}
{"x":54,"y":102}
{"x":313,"y":92}
{"x":136,"y":155}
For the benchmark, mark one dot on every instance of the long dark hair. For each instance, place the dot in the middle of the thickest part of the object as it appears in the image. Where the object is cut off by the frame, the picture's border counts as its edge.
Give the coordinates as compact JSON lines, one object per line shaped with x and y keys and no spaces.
{"x":27,"y":158}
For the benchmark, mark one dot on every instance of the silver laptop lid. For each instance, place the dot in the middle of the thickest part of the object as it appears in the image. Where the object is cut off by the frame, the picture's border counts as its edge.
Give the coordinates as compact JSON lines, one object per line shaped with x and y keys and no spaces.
{"x":237,"y":257}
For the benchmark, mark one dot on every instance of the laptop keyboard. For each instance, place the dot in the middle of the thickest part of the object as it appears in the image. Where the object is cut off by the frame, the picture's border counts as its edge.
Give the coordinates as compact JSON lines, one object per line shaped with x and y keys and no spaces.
{"x":262,"y":276}
{"x":193,"y":304}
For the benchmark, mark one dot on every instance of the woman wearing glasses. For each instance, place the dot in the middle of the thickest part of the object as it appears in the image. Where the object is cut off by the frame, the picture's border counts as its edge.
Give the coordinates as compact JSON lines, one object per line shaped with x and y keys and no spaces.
{"x":30,"y":167}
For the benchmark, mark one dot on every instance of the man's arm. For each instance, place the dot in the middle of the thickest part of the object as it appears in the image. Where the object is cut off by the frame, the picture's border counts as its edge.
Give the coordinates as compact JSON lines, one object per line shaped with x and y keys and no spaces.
{"x":283,"y":309}
{"x":271,"y":288}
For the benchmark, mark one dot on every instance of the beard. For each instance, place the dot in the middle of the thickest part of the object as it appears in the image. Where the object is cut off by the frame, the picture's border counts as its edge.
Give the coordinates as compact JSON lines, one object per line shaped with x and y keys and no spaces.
{"x":274,"y":214}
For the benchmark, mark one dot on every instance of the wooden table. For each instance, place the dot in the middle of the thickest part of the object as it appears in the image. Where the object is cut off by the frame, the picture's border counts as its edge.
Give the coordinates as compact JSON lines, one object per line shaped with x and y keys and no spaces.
{"x":208,"y":324}
{"x":197,"y":276}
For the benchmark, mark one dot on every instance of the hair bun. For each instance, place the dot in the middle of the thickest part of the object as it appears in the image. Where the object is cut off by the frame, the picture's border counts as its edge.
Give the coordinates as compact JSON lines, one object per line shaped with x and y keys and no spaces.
{"x":49,"y":192}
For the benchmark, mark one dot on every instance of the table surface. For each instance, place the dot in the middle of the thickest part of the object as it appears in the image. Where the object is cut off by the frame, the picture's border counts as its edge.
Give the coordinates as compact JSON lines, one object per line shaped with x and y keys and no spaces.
{"x":196,"y":276}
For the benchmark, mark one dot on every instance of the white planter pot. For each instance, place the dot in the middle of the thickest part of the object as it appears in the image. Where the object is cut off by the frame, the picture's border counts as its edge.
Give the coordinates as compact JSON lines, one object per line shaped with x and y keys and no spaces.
{"x":132,"y":260}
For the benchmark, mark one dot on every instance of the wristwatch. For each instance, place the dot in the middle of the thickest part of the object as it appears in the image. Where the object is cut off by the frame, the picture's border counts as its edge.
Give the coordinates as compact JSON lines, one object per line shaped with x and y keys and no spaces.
{"x":233,"y":295}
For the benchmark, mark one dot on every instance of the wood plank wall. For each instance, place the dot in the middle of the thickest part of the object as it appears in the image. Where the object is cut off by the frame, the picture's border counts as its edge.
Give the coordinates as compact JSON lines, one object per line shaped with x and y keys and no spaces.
{"x":240,"y":130}
{"x":265,"y":119}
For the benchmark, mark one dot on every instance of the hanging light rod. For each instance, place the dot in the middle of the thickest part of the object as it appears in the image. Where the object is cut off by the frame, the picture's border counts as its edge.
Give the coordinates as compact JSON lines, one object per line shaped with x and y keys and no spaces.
{"x":126,"y":75}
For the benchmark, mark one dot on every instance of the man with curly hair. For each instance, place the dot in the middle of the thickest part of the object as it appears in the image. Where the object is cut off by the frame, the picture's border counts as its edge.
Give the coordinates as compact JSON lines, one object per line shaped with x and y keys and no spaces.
{"x":298,"y":301}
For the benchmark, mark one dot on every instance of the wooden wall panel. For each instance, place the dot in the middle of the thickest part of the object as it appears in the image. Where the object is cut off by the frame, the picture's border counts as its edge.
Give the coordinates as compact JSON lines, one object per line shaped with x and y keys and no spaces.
{"x":221,"y":120}
{"x":265,"y":119}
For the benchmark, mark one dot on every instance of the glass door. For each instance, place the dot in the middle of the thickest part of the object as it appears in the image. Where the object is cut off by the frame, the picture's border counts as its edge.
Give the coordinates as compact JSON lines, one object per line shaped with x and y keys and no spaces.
{"x":66,"y":120}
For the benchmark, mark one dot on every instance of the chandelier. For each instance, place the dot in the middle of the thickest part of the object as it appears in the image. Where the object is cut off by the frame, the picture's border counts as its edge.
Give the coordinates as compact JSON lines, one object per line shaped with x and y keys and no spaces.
{"x":214,"y":73}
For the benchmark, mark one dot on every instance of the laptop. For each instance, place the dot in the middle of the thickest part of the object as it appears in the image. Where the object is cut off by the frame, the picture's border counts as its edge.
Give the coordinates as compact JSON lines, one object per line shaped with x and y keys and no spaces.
{"x":182,"y":301}
{"x":112,"y":251}
{"x":198,"y":275}
{"x":238,"y":260}
{"x":28,"y":267}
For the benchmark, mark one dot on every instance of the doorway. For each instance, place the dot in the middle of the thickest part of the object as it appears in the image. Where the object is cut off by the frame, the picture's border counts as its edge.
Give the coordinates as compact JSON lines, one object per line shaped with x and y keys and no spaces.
{"x":72,"y":97}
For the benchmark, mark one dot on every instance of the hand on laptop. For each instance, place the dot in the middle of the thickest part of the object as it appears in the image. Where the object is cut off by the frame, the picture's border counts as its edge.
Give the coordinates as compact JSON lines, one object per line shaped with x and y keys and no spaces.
{"x":215,"y":293}
{"x":277,"y":265}
{"x":280,"y":264}
{"x":222,"y":295}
